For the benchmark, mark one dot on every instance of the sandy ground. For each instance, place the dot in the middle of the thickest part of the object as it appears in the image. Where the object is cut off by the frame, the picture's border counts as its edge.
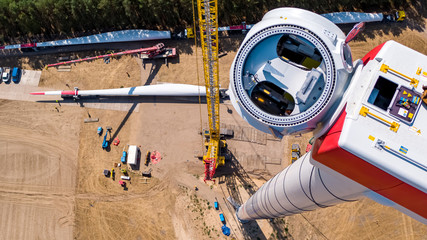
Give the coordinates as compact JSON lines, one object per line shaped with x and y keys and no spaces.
{"x":52,"y":186}
{"x":113,"y":75}
{"x":38,"y":155}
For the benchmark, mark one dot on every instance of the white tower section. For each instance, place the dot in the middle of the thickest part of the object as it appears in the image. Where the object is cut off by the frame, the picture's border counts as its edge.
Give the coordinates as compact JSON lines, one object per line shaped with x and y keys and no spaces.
{"x":298,"y":188}
{"x":284,"y":78}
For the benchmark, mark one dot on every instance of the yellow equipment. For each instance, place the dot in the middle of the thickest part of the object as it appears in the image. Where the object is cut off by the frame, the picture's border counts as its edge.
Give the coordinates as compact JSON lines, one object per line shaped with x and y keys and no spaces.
{"x":394,"y":126}
{"x":400,"y":16}
{"x":208,"y":24}
{"x":413,"y":81}
{"x":190,"y":33}
{"x":147,"y":158}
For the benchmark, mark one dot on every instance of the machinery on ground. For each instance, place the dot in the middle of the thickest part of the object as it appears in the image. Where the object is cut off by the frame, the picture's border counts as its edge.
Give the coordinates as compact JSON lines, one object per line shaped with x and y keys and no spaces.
{"x":396,"y":16}
{"x":105,"y":142}
{"x":99,"y":131}
{"x":150,"y":52}
{"x":208,"y":24}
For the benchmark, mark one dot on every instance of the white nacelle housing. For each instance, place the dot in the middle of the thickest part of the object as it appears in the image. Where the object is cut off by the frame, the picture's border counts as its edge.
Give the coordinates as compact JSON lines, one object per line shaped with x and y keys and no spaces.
{"x":290,"y":72}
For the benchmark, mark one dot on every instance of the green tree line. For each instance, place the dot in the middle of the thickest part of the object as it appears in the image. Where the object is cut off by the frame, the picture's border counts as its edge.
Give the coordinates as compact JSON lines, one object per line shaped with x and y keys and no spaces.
{"x":23,"y":19}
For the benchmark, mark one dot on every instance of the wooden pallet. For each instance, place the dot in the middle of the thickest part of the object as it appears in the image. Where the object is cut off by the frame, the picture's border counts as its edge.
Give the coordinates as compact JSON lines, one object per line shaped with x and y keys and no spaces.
{"x":89,"y":120}
{"x":145,"y":180}
{"x":64,"y":68}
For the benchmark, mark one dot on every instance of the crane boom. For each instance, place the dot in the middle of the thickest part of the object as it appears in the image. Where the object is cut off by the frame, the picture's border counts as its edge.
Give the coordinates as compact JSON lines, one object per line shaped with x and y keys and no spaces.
{"x":208,"y":24}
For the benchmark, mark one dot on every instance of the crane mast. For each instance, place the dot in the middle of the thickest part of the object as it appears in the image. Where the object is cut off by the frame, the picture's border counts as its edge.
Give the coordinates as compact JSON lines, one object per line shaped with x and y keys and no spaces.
{"x":208,"y":24}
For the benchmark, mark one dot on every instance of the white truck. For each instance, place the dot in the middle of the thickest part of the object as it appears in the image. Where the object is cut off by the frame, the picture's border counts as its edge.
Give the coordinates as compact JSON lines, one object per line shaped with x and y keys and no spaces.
{"x":133,"y":155}
{"x":6,"y":75}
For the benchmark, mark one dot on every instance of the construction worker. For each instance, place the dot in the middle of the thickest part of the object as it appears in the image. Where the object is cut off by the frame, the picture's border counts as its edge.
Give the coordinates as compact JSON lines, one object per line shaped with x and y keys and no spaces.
{"x":424,"y":97}
{"x":195,"y":188}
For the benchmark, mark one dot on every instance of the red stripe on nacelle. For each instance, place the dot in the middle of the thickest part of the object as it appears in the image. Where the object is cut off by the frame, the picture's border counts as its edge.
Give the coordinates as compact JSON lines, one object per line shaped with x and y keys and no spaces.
{"x":37,"y":93}
{"x":327,"y":151}
{"x":372,"y":54}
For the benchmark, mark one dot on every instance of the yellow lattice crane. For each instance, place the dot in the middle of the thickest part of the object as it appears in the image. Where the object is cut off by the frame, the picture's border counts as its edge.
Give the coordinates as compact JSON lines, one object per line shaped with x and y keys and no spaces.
{"x":208,"y":24}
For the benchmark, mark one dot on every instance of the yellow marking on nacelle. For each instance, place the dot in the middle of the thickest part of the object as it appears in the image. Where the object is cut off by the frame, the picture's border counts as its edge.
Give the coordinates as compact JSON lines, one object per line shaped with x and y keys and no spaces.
{"x":394,"y":126}
{"x":385,"y":68}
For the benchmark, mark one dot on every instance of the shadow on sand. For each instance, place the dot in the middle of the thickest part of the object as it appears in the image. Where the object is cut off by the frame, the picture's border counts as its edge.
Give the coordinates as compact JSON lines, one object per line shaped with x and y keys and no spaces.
{"x":234,"y":176}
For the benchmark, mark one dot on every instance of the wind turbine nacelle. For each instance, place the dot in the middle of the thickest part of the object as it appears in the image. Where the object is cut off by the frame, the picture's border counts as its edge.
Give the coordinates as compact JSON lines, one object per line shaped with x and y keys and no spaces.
{"x":290,"y":72}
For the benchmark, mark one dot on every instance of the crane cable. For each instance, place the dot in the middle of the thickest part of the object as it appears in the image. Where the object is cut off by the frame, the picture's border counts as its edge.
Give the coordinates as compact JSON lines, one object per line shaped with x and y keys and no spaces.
{"x":197,"y":74}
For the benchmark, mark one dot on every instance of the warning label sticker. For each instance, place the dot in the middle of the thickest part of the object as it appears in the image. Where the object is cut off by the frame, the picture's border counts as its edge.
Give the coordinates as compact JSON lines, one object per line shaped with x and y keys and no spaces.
{"x":403,"y":112}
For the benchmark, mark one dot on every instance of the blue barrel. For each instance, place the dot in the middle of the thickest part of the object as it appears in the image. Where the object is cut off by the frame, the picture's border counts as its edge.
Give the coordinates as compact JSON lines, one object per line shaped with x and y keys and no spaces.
{"x":123,"y":159}
{"x":221,"y":216}
{"x":225,"y":230}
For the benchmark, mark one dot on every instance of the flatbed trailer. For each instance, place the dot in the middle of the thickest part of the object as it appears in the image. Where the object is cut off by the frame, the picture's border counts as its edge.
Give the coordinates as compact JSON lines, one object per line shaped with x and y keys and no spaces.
{"x":167,"y":53}
{"x":150,"y":52}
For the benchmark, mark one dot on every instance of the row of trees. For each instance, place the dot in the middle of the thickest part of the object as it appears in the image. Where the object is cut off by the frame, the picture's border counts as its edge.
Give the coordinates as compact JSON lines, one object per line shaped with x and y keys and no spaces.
{"x":24,"y":19}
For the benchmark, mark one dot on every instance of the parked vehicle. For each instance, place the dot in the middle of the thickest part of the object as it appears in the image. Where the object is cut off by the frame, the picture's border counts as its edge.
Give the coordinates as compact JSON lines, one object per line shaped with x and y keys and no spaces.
{"x":125,"y":177}
{"x":16,"y":75}
{"x":6,"y":75}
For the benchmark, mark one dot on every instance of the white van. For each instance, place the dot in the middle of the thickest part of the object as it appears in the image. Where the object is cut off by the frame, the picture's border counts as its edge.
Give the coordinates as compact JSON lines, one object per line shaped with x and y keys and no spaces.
{"x":6,"y":75}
